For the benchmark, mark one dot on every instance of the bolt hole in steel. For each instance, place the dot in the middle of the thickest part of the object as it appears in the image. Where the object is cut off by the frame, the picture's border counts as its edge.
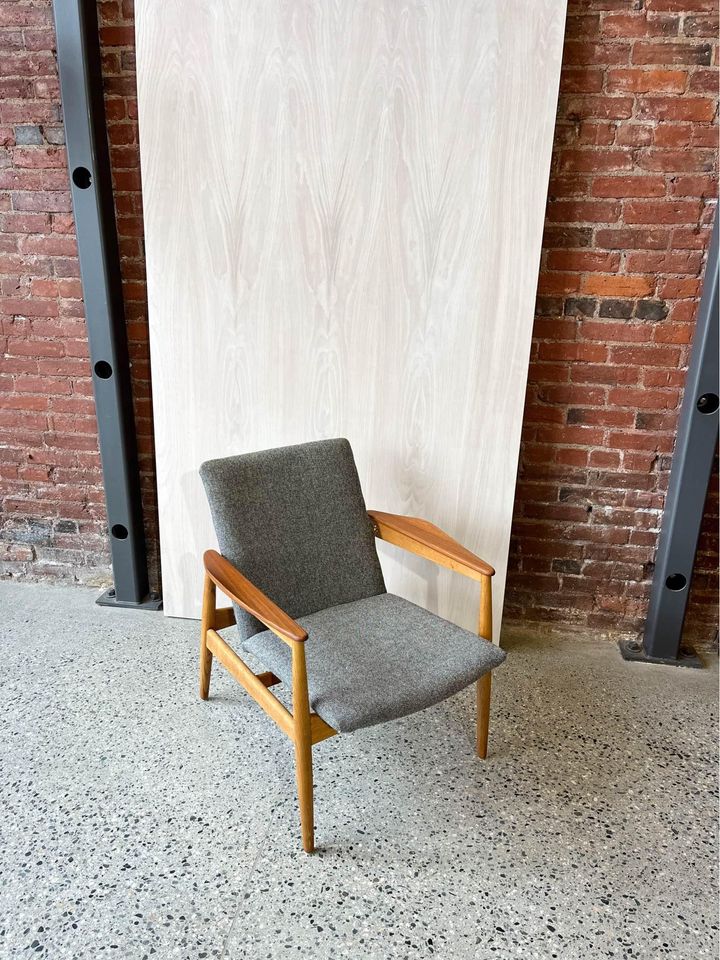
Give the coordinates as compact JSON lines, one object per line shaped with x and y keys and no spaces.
{"x":676,"y":581}
{"x":81,"y":177}
{"x":103,"y":370}
{"x":119,"y":531}
{"x":708,"y":403}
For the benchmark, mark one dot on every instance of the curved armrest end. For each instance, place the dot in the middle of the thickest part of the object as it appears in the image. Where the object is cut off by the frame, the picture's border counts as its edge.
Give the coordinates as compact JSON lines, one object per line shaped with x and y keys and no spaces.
{"x":422,"y":537}
{"x":241,"y":591}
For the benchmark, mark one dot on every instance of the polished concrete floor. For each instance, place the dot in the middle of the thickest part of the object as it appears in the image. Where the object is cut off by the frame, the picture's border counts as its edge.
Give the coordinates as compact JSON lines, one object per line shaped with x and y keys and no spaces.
{"x":139,"y":822}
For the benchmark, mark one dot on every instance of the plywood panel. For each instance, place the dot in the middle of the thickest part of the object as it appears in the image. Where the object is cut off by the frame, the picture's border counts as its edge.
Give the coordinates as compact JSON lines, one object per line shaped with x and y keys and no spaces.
{"x":343,"y":213}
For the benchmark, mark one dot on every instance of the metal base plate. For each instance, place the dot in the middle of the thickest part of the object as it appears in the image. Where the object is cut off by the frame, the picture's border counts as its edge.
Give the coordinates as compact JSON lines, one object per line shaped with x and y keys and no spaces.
{"x":634,"y":650}
{"x":108,"y":599}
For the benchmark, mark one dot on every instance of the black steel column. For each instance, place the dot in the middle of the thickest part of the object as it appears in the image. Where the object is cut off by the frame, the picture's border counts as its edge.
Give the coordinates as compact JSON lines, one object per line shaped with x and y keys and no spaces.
{"x":78,"y":53}
{"x":691,"y":469}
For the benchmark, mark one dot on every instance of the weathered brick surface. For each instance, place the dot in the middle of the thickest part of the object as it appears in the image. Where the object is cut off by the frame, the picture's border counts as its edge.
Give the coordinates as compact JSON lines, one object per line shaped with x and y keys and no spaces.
{"x":630,"y":204}
{"x":631,"y":198}
{"x":52,"y":515}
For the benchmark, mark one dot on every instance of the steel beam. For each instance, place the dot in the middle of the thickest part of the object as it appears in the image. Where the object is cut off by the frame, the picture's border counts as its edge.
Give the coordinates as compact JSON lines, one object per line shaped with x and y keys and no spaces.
{"x":78,"y":54}
{"x":691,"y":469}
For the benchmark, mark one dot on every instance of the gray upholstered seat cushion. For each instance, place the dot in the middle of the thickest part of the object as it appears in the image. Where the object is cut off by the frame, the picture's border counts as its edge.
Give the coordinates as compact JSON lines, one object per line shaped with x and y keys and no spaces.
{"x":379,"y":658}
{"x":293,"y":521}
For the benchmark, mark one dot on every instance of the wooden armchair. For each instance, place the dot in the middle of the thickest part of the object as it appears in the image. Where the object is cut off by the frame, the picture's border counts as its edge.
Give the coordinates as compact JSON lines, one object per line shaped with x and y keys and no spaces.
{"x":294,"y":519}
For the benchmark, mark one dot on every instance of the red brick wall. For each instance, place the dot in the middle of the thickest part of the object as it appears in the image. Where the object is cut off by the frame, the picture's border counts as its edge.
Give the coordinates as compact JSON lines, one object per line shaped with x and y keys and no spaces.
{"x":52,"y":516}
{"x":631,"y":198}
{"x":627,"y":229}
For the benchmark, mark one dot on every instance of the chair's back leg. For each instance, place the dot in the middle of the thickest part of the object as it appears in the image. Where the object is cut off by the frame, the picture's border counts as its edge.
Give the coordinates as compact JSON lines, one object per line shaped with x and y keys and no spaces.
{"x":303,"y":746}
{"x":485,"y":682}
{"x":208,"y":623}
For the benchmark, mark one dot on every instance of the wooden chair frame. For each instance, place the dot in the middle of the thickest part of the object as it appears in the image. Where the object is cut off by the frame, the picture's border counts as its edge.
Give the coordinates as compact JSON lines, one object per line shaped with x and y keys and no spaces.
{"x":303,"y":727}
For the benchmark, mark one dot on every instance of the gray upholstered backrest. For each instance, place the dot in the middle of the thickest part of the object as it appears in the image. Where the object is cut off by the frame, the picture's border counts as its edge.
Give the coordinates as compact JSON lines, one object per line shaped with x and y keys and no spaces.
{"x":293,"y":521}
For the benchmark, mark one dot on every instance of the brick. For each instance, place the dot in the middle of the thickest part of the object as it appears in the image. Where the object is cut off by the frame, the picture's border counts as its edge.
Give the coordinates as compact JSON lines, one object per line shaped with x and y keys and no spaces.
{"x":53,"y":245}
{"x":607,"y":332}
{"x":617,"y":285}
{"x":580,"y":306}
{"x":44,"y":201}
{"x":604,"y":458}
{"x":596,"y":107}
{"x":623,"y":186}
{"x":673,"y":135}
{"x":582,"y":260}
{"x":639,"y":25}
{"x":24,"y":223}
{"x":558,"y":283}
{"x":13,"y":89}
{"x":572,"y":393}
{"x":605,"y":373}
{"x":582,"y":211}
{"x":24,"y":15}
{"x":23,"y":179}
{"x":664,"y":378}
{"x":702,"y":185}
{"x":565,"y":236}
{"x":653,"y":310}
{"x":29,"y":307}
{"x":582,"y":80}
{"x":580,"y":52}
{"x":703,"y":81}
{"x":616,"y":309}
{"x":45,"y":157}
{"x":594,"y":161}
{"x":673,"y":333}
{"x":604,"y":417}
{"x":548,"y":306}
{"x":689,"y":238}
{"x":28,"y":134}
{"x":661,"y":211}
{"x":565,"y":350}
{"x":635,"y":135}
{"x":700,"y":109}
{"x":597,"y":133}
{"x":635,"y":440}
{"x":675,"y":261}
{"x":555,"y":329}
{"x":646,"y":81}
{"x":667,"y":53}
{"x":54,"y":135}
{"x":671,"y":161}
{"x":621,"y":239}
{"x":645,"y":356}
{"x":117,"y":36}
{"x":682,"y":6}
{"x":677,"y":288}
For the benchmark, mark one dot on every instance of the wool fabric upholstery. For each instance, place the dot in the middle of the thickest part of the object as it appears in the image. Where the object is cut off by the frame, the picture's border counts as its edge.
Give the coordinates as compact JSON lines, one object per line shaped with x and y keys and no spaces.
{"x":377,"y":659}
{"x":293,"y":521}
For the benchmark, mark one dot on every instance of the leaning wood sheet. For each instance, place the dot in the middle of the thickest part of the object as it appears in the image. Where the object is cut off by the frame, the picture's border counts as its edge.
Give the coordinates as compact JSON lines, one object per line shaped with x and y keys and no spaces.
{"x":343,"y":205}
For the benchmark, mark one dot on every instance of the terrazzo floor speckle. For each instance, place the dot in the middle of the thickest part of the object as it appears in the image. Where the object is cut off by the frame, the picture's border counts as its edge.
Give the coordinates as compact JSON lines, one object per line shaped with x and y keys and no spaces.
{"x":139,"y":822}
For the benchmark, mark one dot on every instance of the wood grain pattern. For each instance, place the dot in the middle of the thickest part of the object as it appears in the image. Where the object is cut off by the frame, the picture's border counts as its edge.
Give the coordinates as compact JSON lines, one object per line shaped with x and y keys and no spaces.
{"x":343,"y":211}
{"x":241,"y":591}
{"x":429,"y":541}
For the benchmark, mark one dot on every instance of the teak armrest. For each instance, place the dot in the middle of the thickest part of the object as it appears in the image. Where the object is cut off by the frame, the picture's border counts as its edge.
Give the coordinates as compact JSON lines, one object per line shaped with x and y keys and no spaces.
{"x":241,"y":591}
{"x":425,"y":539}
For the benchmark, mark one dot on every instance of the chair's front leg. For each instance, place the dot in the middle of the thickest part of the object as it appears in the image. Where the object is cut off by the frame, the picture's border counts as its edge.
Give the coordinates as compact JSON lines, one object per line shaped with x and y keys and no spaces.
{"x":208,"y":623}
{"x":485,"y":682}
{"x":303,"y":745}
{"x":483,"y":714}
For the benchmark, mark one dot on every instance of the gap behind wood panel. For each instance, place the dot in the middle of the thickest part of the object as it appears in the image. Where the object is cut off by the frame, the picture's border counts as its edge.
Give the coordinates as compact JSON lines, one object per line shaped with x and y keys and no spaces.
{"x":343,"y":213}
